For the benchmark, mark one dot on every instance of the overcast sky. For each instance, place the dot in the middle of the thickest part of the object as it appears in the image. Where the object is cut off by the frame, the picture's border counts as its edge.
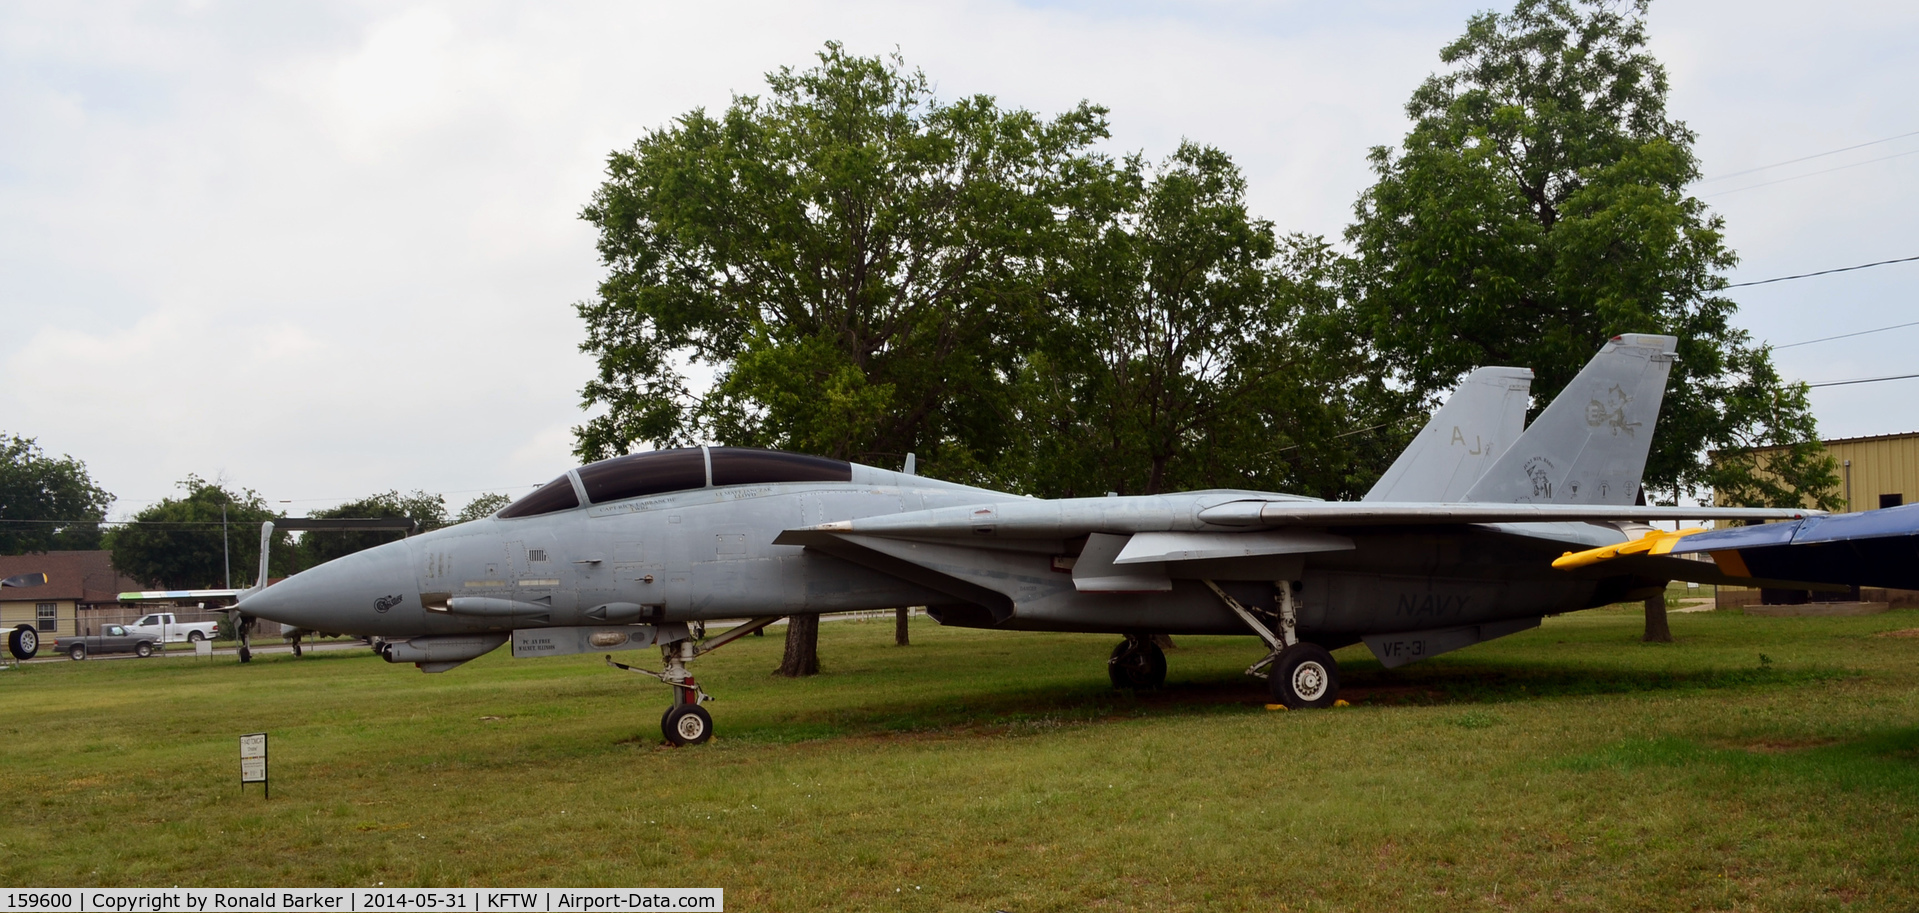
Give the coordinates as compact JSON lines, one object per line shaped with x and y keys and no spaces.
{"x":325,"y":250}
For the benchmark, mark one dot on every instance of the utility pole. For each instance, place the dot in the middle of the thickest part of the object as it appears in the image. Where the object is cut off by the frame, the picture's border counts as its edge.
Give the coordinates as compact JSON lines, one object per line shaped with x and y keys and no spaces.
{"x":226,"y":554}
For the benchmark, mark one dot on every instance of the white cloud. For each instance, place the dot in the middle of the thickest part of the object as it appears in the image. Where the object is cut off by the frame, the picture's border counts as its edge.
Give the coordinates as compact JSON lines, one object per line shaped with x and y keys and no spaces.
{"x":333,"y":248}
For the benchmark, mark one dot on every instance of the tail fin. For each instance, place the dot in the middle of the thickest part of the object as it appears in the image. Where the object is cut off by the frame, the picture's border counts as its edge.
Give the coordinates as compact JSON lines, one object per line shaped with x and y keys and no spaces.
{"x":1590,"y":445}
{"x":1479,"y":421}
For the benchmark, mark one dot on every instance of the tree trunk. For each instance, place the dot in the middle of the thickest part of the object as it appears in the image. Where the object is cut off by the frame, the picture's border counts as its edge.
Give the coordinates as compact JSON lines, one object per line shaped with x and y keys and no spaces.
{"x":899,"y":626}
{"x":802,"y":647}
{"x":1656,"y":630}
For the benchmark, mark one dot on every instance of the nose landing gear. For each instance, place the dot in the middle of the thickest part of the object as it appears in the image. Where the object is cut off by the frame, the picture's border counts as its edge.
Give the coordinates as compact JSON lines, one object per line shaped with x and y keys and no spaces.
{"x":685,"y":722}
{"x":243,"y":629}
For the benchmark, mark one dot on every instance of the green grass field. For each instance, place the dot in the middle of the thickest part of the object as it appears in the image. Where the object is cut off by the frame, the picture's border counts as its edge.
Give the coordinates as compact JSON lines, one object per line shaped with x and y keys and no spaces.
{"x":1757,"y":764}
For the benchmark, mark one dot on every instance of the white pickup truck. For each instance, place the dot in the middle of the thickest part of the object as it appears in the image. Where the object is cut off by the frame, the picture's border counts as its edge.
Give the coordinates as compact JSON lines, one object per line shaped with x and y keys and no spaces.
{"x":164,"y":628}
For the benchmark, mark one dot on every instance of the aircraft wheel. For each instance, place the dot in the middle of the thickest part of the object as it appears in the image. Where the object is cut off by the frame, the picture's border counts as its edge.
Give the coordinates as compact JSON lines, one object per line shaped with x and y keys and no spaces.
{"x":246,"y":655}
{"x":1305,"y":676}
{"x":1137,"y":664}
{"x":23,"y":642}
{"x":687,"y":724}
{"x":77,"y":652}
{"x":143,"y":650}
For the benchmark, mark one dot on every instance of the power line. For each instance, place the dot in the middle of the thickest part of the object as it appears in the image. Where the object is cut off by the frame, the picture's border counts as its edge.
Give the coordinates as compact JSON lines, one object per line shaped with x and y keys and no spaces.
{"x":1809,"y":174}
{"x":1398,"y":421}
{"x":120,"y":522}
{"x":1862,"y":380}
{"x":1806,"y":158}
{"x":1822,"y":272}
{"x":1896,"y":326}
{"x":500,"y":489}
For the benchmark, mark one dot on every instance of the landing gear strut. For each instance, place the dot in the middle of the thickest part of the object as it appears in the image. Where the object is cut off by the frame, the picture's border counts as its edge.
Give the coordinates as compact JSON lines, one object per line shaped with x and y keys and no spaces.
{"x":1137,"y":664}
{"x":243,"y":629}
{"x":1300,"y":674}
{"x":685,"y":722}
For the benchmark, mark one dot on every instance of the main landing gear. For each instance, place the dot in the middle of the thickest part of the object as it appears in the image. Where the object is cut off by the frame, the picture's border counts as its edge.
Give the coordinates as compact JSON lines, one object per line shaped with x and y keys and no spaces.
{"x":1304,"y":675}
{"x":1299,"y":674}
{"x":1137,"y":664}
{"x":685,"y":722}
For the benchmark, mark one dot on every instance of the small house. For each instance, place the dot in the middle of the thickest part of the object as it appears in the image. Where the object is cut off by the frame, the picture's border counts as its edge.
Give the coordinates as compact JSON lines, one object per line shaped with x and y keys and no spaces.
{"x":77,"y":582}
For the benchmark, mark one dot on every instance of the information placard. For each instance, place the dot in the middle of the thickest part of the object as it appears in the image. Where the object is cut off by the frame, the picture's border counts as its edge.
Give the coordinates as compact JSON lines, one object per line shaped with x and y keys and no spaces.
{"x":253,"y":760}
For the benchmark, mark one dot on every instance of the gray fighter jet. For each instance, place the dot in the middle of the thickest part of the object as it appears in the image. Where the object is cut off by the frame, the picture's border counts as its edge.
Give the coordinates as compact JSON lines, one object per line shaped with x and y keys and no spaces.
{"x":1454,"y":546}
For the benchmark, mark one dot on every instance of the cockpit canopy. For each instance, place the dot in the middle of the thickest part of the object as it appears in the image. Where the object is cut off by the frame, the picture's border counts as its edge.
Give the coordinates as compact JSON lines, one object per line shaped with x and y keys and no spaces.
{"x":638,"y":475}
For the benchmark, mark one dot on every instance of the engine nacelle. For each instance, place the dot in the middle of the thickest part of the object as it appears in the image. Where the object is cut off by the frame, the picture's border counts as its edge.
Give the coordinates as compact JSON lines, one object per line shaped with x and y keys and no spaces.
{"x":439,"y":653}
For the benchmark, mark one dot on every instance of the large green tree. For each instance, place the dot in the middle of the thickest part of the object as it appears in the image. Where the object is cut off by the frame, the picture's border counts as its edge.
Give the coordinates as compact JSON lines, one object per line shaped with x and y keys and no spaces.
{"x":191,"y":542}
{"x":1190,"y":347}
{"x":428,"y":510}
{"x":46,"y":503}
{"x":1538,"y":207}
{"x":485,"y":505}
{"x":857,"y":263}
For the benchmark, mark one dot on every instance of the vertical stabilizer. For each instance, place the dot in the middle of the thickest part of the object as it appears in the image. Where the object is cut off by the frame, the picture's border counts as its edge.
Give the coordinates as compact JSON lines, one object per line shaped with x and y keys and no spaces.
{"x":1478,"y":422}
{"x":1590,"y":445}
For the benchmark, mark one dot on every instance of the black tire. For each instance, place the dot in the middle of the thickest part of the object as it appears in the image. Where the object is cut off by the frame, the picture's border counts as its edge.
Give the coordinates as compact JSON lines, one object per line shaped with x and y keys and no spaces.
{"x":1305,"y":675}
{"x":23,"y":642}
{"x":194,"y":637}
{"x":687,"y":724}
{"x":77,"y":652}
{"x":1137,"y":665}
{"x":143,"y":649}
{"x":246,"y":655}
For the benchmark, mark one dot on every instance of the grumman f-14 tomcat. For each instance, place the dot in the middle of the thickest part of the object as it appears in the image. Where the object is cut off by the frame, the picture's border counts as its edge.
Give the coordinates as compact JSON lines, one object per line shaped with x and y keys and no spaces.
{"x":1455,"y":545}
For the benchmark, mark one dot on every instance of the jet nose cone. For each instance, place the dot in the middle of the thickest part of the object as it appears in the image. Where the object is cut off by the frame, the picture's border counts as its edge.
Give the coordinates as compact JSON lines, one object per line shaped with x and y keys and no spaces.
{"x":361,"y":593}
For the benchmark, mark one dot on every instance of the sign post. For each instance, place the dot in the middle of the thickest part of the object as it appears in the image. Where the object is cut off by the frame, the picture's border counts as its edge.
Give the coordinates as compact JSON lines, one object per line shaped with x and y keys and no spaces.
{"x":253,"y":762}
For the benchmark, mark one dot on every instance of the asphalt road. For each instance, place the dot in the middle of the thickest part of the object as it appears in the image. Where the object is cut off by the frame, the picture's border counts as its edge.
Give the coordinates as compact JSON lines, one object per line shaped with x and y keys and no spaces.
{"x":185,"y":651}
{"x":182,"y":650}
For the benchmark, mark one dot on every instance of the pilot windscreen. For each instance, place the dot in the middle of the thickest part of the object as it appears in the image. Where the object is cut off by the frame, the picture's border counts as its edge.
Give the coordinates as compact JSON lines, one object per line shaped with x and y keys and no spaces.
{"x":554,"y":495}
